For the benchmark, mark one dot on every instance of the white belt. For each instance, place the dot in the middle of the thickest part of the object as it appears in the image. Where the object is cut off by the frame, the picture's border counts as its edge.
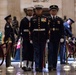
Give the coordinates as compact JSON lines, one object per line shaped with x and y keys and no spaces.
{"x":39,"y":30}
{"x":26,"y":30}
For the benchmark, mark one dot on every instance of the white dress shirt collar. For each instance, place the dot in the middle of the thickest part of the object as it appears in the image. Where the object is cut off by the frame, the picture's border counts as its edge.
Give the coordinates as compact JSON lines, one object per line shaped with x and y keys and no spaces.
{"x":29,"y":17}
{"x":53,"y":16}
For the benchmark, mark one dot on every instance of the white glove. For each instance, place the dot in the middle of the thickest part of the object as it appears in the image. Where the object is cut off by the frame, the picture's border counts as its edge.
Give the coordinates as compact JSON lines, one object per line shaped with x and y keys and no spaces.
{"x":61,"y":40}
{"x":74,"y":41}
{"x":67,"y":41}
{"x":48,"y":41}
{"x":69,"y":38}
{"x":31,"y":42}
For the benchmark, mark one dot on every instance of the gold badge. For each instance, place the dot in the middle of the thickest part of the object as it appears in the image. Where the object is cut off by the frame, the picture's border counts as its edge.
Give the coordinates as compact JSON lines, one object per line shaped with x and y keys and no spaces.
{"x":53,"y":29}
{"x":43,"y":19}
{"x":58,"y":22}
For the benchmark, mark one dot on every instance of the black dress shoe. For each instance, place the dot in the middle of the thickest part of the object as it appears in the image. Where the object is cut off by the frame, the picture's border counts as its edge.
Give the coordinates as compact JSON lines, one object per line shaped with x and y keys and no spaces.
{"x":29,"y":69}
{"x":49,"y":68}
{"x":40,"y":70}
{"x":37,"y":69}
{"x":54,"y":69}
{"x":62,"y":63}
{"x":24,"y":68}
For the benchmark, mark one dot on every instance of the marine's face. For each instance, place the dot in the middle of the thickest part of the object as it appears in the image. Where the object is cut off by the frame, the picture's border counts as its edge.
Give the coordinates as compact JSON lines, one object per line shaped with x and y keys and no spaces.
{"x":53,"y":12}
{"x":38,"y":11}
{"x":30,"y":12}
{"x":9,"y":20}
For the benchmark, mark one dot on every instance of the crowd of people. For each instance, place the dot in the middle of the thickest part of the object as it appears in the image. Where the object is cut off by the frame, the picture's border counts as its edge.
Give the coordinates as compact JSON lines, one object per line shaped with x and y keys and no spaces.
{"x":36,"y":30}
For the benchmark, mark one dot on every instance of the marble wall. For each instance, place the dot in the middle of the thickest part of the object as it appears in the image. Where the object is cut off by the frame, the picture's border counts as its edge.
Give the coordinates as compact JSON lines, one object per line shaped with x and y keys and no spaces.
{"x":15,"y":8}
{"x":29,"y":3}
{"x":68,"y":9}
{"x":3,"y":13}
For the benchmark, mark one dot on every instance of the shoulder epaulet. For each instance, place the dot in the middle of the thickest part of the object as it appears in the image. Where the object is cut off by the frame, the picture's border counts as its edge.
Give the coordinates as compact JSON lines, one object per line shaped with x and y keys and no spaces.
{"x":49,"y":16}
{"x":23,"y":18}
{"x":34,"y":17}
{"x":43,"y":15}
{"x":59,"y":18}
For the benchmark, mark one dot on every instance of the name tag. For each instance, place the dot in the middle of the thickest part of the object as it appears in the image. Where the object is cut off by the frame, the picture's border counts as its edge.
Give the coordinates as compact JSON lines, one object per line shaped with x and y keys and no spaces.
{"x":58,"y":22}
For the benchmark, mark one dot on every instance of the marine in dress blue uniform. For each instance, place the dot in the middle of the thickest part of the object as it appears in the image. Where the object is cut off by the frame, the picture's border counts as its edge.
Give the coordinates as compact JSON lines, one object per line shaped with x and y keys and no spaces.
{"x":8,"y":29}
{"x":67,"y":33}
{"x":56,"y":34}
{"x":39,"y":34}
{"x":27,"y":54}
{"x":9,"y":36}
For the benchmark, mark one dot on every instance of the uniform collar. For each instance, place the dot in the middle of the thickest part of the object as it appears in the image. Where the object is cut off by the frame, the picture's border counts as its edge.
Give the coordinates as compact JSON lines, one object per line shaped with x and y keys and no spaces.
{"x":53,"y":16}
{"x":39,"y":15}
{"x":29,"y":17}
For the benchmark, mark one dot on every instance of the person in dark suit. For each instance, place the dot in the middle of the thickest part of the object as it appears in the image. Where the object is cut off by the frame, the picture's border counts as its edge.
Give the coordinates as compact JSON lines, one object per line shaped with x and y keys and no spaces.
{"x":15,"y":25}
{"x":56,"y":35}
{"x":67,"y":33}
{"x":9,"y":36}
{"x":27,"y":54}
{"x":68,"y":27}
{"x":39,"y":34}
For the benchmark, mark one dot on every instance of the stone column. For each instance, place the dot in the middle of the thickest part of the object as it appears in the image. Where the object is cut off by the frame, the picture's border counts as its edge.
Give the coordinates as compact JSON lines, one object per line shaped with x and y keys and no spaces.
{"x":30,"y":3}
{"x":14,"y":8}
{"x":3,"y":13}
{"x":69,"y":10}
{"x":75,"y":15}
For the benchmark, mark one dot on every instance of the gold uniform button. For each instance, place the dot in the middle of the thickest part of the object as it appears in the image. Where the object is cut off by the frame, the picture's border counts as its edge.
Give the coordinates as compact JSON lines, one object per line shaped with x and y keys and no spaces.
{"x":53,"y":29}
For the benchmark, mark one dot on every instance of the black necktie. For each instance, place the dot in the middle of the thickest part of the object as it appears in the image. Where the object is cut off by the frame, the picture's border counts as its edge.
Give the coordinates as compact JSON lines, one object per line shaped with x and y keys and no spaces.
{"x":53,"y":18}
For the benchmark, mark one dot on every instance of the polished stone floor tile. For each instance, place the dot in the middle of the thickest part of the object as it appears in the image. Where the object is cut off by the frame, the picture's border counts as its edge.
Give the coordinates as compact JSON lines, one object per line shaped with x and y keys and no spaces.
{"x":18,"y":71}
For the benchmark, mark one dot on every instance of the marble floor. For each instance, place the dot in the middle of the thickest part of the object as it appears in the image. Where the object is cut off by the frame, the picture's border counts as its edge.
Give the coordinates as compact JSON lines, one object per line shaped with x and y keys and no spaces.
{"x":68,"y":69}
